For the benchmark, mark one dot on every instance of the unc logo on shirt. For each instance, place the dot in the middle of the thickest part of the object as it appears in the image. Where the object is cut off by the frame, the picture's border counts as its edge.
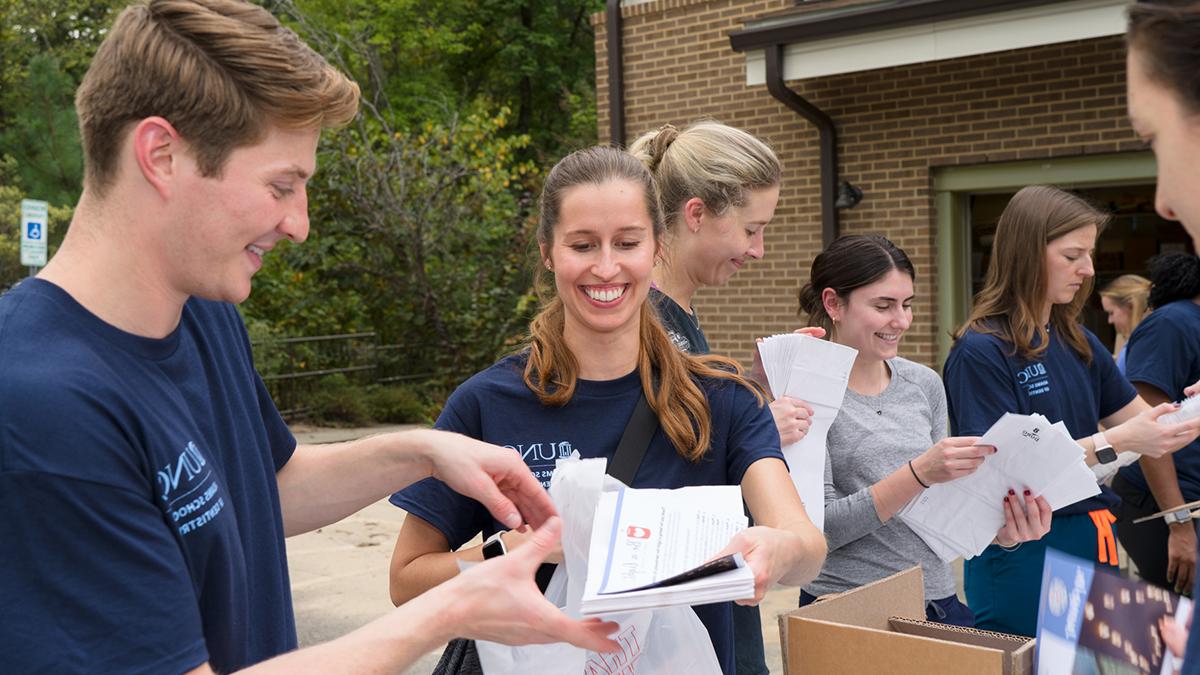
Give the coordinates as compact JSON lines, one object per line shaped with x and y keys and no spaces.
{"x":189,"y":490}
{"x":541,"y":457}
{"x":1035,"y":379}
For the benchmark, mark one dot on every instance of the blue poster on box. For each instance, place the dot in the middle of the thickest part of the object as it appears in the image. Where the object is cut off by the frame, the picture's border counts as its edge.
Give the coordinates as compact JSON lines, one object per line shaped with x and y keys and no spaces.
{"x":1095,"y":621}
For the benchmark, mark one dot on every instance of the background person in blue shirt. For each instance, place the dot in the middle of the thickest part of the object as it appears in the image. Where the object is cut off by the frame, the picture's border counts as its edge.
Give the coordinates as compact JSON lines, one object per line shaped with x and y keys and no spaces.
{"x":1163,"y":358}
{"x":888,"y":442}
{"x":594,"y":349}
{"x":1022,"y":350}
{"x":1125,"y":301}
{"x":146,"y":479}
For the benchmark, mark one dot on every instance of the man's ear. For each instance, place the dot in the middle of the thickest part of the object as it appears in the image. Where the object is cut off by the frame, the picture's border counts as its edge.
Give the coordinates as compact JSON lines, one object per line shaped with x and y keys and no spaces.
{"x":158,"y":150}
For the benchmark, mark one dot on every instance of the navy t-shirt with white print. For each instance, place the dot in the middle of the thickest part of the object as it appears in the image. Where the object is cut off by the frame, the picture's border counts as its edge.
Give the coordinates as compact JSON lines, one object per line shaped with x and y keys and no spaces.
{"x":1164,"y":352}
{"x":681,"y":325}
{"x":142,"y":530}
{"x":985,"y":379}
{"x":497,"y":407}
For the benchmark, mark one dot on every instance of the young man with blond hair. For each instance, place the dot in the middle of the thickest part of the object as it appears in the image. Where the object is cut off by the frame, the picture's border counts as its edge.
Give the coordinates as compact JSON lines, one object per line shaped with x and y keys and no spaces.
{"x":147,"y":480}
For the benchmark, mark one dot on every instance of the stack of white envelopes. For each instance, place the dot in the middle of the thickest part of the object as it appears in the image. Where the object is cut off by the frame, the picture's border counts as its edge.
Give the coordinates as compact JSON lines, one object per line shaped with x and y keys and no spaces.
{"x":655,"y":548}
{"x":961,"y":517}
{"x":816,"y":372}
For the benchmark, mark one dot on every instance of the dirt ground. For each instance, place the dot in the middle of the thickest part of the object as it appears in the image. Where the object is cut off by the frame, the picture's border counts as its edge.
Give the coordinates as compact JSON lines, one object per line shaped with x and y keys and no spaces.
{"x":339,"y":572}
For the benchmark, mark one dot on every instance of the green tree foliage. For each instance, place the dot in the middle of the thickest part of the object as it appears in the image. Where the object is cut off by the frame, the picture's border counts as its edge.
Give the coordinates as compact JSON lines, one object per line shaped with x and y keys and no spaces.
{"x":45,"y":47}
{"x":534,"y":56}
{"x":423,"y":231}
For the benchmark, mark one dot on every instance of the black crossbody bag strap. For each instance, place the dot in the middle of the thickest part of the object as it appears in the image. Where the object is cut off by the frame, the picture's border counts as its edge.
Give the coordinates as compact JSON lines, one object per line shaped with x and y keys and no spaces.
{"x":634,"y":442}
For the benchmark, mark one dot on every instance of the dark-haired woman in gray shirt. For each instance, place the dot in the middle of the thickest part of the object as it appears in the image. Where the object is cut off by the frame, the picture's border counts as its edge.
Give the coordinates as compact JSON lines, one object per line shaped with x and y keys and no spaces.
{"x":888,"y":442}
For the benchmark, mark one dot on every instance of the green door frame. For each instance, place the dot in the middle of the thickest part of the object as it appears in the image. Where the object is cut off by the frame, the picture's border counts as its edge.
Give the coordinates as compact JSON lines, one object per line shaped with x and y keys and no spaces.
{"x":953,"y":184}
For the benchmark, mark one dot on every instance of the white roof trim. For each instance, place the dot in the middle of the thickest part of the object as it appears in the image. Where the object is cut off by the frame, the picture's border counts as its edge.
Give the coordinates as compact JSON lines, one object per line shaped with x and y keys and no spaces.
{"x":954,"y":38}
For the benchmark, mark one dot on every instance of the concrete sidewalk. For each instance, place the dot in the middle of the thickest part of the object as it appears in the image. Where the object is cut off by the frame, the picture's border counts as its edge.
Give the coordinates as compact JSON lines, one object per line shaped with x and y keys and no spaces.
{"x":340,"y":573}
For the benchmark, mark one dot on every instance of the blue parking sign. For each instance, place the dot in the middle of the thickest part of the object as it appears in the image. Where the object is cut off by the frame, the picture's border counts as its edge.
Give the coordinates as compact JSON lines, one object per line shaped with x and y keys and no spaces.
{"x":35,"y":225}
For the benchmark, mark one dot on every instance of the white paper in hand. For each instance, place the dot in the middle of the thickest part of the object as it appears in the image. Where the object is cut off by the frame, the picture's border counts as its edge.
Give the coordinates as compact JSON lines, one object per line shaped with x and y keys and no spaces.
{"x":641,"y":537}
{"x":960,"y":518}
{"x":814,"y":371}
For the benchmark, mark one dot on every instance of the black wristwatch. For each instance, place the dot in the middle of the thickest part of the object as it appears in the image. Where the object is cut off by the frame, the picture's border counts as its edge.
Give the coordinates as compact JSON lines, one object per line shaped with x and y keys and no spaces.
{"x":1104,"y":450}
{"x":494,"y":546}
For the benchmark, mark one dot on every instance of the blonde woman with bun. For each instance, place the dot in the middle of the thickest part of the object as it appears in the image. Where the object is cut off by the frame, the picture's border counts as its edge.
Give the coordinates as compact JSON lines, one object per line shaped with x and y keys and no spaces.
{"x":719,"y":186}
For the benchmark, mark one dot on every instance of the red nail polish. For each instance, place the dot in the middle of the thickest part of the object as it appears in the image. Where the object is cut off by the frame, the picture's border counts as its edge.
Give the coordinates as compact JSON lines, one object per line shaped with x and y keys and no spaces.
{"x":1011,"y":492}
{"x":1027,"y":493}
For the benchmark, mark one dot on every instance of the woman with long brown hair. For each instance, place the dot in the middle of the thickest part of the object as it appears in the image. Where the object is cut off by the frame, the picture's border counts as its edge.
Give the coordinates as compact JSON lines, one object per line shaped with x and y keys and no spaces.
{"x":1023,"y":351}
{"x":594,"y":350}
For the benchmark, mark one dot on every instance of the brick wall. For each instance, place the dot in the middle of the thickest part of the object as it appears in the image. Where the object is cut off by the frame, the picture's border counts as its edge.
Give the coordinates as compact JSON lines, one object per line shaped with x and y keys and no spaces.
{"x":896,"y":126}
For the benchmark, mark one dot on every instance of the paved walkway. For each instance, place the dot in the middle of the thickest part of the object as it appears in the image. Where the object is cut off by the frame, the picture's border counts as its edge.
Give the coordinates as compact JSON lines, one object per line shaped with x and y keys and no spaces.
{"x":340,"y":572}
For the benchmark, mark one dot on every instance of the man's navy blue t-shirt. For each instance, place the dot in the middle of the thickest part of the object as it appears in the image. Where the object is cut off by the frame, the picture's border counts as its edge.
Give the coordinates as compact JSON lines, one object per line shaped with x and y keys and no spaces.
{"x":497,"y":407}
{"x":142,"y":525}
{"x":1164,"y":352}
{"x":984,"y":380}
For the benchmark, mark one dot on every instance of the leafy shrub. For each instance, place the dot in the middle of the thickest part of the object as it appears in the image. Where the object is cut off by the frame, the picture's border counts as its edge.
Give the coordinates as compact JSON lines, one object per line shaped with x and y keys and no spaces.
{"x":394,"y":404}
{"x":338,"y":402}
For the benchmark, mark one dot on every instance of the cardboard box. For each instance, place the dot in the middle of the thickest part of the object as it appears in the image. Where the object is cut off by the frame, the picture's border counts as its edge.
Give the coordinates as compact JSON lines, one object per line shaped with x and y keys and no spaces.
{"x":881,"y":628}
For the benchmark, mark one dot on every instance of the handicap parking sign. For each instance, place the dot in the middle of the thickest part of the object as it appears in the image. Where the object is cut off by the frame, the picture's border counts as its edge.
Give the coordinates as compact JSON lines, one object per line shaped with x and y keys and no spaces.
{"x":34,"y":221}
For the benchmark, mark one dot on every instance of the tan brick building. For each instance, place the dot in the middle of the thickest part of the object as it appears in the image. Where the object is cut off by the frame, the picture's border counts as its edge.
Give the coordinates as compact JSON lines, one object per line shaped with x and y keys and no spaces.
{"x":939,"y":119}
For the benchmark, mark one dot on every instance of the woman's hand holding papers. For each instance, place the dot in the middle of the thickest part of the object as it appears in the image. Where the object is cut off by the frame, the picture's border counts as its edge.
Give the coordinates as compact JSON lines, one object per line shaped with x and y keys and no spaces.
{"x":1025,"y":519}
{"x":1144,"y":434}
{"x":952,"y":457}
{"x":770,"y":552}
{"x":793,"y":419}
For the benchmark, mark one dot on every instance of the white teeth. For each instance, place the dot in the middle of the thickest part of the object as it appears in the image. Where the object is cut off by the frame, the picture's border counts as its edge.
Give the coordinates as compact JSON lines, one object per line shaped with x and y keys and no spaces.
{"x":605,"y":295}
{"x":256,"y":250}
{"x":887,"y":337}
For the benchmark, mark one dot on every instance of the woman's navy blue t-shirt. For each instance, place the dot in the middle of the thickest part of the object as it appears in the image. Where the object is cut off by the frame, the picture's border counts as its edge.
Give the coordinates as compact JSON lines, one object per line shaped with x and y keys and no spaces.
{"x":496,"y":406}
{"x":985,"y":379}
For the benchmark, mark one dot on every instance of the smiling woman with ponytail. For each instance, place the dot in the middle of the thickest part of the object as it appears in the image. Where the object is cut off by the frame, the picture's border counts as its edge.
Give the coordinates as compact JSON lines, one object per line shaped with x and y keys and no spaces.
{"x":595,"y":349}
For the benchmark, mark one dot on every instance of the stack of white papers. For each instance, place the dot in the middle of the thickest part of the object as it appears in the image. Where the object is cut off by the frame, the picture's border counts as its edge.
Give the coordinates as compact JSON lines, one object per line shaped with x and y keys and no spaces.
{"x":815,"y":371}
{"x":652,"y":548}
{"x":960,"y":518}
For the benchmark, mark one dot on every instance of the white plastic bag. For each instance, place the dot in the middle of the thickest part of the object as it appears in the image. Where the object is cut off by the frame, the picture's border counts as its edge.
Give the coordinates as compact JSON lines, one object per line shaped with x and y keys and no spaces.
{"x":657,"y":642}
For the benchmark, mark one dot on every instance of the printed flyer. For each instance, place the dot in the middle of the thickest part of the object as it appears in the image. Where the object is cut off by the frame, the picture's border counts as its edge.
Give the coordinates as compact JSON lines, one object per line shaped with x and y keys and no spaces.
{"x":1094,"y":621}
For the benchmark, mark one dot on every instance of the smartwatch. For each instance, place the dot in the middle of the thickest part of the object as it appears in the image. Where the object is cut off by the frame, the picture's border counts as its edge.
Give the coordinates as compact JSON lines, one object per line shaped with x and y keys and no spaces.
{"x":1178,"y":517}
{"x":1104,"y":450}
{"x":494,"y":546}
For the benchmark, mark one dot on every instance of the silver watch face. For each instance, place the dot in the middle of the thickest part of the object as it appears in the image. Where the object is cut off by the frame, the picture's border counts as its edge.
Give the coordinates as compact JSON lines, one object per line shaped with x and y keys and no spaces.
{"x":1179,"y":516}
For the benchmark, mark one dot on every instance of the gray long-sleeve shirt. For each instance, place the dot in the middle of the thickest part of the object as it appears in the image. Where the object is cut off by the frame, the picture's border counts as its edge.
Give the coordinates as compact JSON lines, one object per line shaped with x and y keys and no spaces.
{"x":870,"y":438}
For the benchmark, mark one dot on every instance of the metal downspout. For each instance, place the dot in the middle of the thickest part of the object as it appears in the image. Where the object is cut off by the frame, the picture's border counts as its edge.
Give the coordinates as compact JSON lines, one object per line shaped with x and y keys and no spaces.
{"x":827,"y":138}
{"x":616,"y":77}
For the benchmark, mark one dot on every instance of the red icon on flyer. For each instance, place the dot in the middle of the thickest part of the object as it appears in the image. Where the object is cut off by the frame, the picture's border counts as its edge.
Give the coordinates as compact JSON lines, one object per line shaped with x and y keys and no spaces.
{"x":635,"y":532}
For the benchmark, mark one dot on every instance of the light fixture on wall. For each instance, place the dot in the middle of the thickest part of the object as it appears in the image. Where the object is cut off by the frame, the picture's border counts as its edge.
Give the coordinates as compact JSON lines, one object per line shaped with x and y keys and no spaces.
{"x":848,"y":196}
